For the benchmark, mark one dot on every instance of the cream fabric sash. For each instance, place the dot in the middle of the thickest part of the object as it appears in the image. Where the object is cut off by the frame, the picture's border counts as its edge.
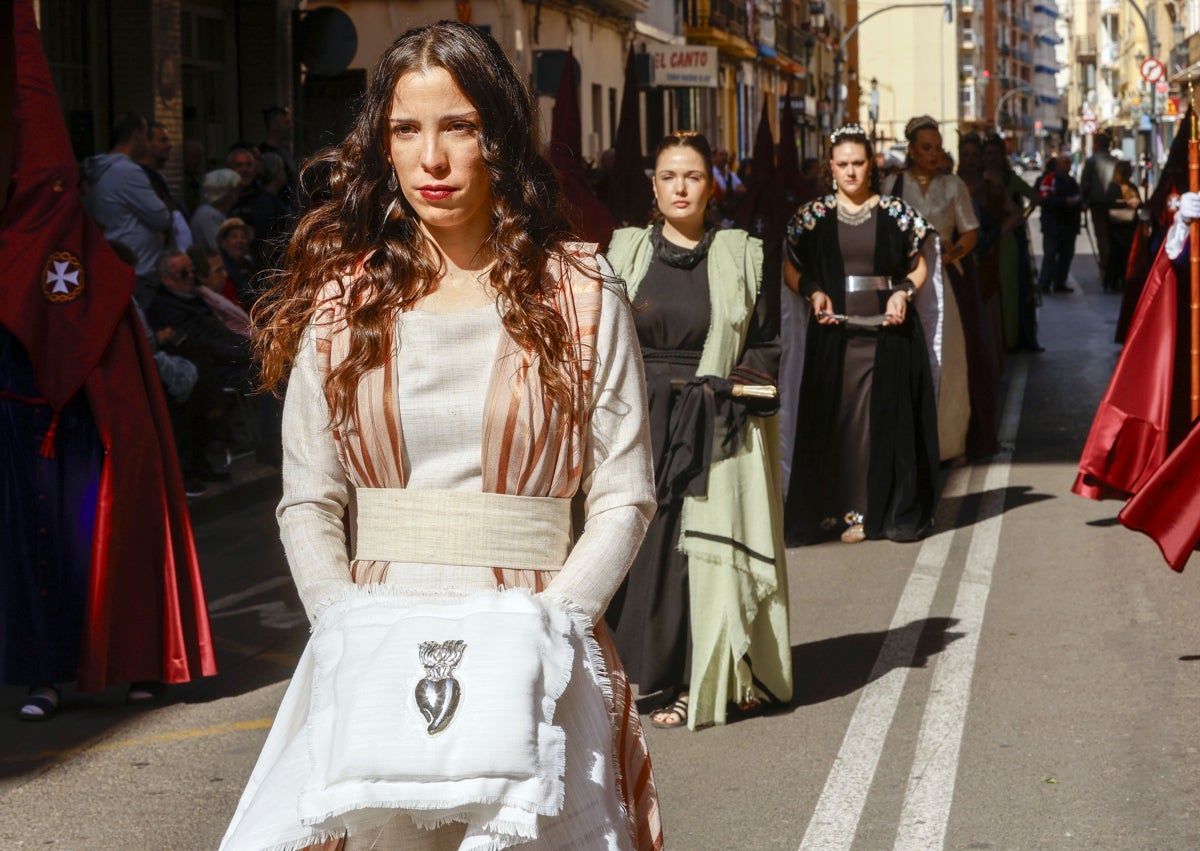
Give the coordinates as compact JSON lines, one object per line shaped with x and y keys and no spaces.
{"x":461,"y":527}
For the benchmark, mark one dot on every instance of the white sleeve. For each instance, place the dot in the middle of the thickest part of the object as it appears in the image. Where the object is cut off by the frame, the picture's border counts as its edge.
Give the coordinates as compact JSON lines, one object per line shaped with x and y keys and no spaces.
{"x":1177,"y":238}
{"x":315,"y":490}
{"x":618,"y":474}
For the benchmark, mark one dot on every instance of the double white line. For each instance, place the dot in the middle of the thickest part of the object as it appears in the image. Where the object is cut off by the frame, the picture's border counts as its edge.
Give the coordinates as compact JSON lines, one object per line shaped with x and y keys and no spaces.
{"x":930,"y":788}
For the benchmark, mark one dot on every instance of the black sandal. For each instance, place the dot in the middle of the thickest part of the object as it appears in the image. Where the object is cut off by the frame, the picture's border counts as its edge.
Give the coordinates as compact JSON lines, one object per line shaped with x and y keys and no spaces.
{"x":40,"y":705}
{"x":673,"y":716}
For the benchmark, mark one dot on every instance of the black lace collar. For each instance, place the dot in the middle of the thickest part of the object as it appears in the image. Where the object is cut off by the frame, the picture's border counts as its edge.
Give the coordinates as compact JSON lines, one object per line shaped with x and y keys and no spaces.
{"x":676,"y":255}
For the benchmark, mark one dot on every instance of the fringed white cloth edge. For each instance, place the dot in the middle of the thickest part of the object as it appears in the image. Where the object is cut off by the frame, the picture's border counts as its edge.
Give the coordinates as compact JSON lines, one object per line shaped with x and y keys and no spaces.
{"x":287,"y":834}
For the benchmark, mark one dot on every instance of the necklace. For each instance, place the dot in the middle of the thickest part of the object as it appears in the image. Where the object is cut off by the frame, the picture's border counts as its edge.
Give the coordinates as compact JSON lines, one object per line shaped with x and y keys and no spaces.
{"x":856,"y":217}
{"x":922,"y":180}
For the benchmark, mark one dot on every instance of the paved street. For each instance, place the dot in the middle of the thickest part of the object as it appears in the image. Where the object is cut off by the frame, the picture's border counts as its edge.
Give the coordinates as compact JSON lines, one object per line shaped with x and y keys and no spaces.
{"x":1026,"y":678}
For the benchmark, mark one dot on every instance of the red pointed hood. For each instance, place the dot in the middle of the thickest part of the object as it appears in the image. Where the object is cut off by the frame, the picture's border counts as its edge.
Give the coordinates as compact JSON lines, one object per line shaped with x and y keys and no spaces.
{"x":63,"y":290}
{"x":630,"y":197}
{"x":594,"y":221}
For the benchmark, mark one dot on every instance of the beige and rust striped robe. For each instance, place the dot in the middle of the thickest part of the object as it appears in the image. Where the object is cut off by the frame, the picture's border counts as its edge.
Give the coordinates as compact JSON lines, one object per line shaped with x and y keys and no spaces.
{"x":602,"y":463}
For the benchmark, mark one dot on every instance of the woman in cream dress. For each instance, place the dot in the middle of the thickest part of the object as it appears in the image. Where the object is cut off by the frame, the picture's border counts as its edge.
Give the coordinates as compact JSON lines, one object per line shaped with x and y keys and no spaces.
{"x":945,"y":203}
{"x":466,"y":354}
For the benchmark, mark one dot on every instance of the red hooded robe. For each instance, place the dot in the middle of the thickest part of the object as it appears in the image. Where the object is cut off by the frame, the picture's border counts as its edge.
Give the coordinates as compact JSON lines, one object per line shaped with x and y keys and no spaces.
{"x":67,"y":297}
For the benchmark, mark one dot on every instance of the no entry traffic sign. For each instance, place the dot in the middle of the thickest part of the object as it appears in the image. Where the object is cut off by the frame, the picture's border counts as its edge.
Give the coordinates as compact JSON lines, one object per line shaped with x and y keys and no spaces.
{"x":1153,"y":70}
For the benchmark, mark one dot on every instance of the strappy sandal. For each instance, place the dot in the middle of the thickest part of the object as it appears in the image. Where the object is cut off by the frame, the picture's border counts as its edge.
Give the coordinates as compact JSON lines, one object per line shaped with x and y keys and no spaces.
{"x":854,"y":528}
{"x":673,"y":716}
{"x":40,"y":705}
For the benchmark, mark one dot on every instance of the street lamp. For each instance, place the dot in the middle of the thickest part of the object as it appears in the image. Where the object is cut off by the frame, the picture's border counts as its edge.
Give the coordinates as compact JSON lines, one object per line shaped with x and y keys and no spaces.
{"x":1018,"y":88}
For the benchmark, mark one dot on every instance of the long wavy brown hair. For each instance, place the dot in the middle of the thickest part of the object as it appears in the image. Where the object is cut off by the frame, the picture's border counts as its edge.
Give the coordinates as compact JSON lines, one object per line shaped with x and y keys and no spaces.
{"x":364,"y":238}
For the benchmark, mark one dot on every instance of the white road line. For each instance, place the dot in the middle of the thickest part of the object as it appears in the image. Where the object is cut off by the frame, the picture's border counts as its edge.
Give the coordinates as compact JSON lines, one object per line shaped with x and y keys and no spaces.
{"x":252,"y":591}
{"x":930,"y":790}
{"x":835,"y":819}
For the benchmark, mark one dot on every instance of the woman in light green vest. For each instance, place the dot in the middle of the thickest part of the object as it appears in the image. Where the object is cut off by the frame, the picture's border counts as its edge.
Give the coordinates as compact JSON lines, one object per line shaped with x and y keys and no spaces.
{"x":702,"y":618}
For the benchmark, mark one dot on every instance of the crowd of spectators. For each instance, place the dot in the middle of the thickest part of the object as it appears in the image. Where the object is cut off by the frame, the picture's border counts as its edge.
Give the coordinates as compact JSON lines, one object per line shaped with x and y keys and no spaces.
{"x":200,"y":264}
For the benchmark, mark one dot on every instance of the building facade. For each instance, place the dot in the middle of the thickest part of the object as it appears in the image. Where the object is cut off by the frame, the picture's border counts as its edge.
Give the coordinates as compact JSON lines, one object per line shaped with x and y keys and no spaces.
{"x":913,"y":61}
{"x":207,"y":69}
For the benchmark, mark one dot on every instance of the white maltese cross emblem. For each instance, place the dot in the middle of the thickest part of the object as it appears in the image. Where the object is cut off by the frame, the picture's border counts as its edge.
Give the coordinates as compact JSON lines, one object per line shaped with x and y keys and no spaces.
{"x":62,"y":277}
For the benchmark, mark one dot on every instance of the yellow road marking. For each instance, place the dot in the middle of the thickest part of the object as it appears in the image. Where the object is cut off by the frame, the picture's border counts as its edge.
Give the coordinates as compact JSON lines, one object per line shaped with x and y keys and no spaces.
{"x":160,"y":738}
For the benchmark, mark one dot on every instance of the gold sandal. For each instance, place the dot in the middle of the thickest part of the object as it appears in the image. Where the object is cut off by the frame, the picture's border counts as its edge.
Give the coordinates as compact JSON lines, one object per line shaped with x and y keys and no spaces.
{"x":854,"y":528}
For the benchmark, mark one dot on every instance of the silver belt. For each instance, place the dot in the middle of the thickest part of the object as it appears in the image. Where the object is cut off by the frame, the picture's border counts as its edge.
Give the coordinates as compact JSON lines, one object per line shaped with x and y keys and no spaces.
{"x":863,"y":283}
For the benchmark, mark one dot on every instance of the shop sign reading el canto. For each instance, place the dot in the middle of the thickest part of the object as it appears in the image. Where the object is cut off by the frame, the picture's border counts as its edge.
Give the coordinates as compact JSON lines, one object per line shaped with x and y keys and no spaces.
{"x":684,"y":65}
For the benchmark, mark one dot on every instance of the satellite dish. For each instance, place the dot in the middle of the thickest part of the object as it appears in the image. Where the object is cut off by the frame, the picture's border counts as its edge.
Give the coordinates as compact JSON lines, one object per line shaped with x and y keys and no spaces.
{"x":326,"y":41}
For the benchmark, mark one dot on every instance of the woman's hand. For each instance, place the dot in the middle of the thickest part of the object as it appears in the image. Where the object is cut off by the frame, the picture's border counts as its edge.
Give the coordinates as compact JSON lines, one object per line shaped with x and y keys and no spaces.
{"x":897,"y":308}
{"x":963,"y":246}
{"x":822,"y":306}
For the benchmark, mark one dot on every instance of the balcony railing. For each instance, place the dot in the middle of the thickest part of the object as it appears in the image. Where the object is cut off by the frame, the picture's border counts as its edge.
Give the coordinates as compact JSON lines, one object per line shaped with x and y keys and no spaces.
{"x":786,"y":41}
{"x":967,"y":7}
{"x":723,"y":15}
{"x":969,"y":42}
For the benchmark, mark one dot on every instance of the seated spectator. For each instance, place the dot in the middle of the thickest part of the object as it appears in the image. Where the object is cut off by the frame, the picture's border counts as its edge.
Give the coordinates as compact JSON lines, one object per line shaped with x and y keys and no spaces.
{"x":211,"y":277}
{"x":197,"y":328}
{"x":121,"y":199}
{"x":222,"y":359}
{"x":233,"y":241}
{"x":218,"y":194}
{"x":179,"y":377}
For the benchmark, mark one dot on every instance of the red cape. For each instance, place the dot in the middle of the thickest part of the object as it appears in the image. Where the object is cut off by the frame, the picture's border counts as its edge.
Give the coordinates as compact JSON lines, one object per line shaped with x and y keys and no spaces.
{"x":1167,"y":508}
{"x":67,"y":297}
{"x":1131,"y":433}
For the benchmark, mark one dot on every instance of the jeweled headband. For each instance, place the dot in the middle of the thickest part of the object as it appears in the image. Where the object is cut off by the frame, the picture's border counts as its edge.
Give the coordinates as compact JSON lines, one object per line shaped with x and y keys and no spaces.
{"x":847,"y":130}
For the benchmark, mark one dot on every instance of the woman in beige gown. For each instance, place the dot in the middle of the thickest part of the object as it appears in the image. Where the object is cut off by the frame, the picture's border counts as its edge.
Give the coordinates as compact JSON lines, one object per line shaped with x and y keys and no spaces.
{"x":447,"y":347}
{"x":945,"y":203}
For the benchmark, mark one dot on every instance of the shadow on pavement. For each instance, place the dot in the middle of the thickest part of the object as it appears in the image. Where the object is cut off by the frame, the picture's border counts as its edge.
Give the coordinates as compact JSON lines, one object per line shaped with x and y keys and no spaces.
{"x":960,"y":512}
{"x":834,"y":667}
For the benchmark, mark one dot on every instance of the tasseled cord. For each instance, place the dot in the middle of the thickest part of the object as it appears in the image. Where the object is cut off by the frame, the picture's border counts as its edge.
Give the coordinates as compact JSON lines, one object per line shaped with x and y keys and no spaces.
{"x":47,"y":450}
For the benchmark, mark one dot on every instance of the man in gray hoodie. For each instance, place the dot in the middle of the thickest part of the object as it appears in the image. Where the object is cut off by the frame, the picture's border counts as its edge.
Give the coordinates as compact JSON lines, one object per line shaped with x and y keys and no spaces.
{"x":122,"y":201}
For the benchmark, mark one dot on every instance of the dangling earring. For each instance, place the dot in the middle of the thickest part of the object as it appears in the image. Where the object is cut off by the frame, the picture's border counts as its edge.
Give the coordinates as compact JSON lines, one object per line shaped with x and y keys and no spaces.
{"x":392,"y":183}
{"x":833,"y":183}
